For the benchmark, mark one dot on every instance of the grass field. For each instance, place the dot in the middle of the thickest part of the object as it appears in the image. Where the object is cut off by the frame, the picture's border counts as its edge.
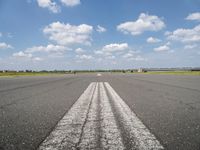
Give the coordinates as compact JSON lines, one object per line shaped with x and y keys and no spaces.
{"x":173,"y":72}
{"x":15,"y":74}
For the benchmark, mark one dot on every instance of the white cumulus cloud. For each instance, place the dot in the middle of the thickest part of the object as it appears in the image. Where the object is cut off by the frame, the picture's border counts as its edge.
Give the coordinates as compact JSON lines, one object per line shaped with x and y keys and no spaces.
{"x":185,"y":35}
{"x":153,"y":40}
{"x":133,"y":55}
{"x":162,"y":48}
{"x":193,"y":16}
{"x":52,"y":50}
{"x":26,"y":56}
{"x":66,"y":34}
{"x":98,"y":52}
{"x":71,"y":3}
{"x":110,"y":50}
{"x":22,"y":54}
{"x":115,"y":47}
{"x":128,"y":55}
{"x":49,"y":48}
{"x":51,"y":5}
{"x":79,"y":50}
{"x":3,"y":45}
{"x":144,"y":23}
{"x":100,"y":29}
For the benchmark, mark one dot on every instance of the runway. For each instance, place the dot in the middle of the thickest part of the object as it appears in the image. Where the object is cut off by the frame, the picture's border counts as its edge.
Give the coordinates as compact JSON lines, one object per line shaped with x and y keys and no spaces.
{"x":89,"y":111}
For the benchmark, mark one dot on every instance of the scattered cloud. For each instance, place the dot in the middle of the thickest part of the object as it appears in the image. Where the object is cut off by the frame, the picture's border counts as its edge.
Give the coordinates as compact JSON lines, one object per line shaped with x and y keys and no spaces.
{"x":133,"y":55}
{"x":99,"y":52}
{"x":1,"y":34}
{"x":85,"y":57}
{"x":27,"y":56}
{"x":49,"y":48}
{"x":71,"y":3}
{"x":37,"y":59}
{"x":144,"y":23}
{"x":167,"y":33}
{"x":190,"y":46}
{"x":128,"y":55}
{"x":5,"y":46}
{"x":116,"y":50}
{"x":193,"y":16}
{"x":138,"y":58}
{"x":153,"y":40}
{"x":66,"y":34}
{"x":115,"y":47}
{"x":79,"y":50}
{"x":119,"y":51}
{"x":52,"y":50}
{"x":185,"y":35}
{"x":162,"y":48}
{"x":100,"y":29}
{"x":22,"y":54}
{"x":110,"y":57}
{"x":51,"y":5}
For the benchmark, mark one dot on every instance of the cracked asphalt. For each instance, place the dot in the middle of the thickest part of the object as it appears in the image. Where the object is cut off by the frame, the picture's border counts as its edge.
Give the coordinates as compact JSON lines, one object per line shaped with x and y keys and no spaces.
{"x":168,"y":105}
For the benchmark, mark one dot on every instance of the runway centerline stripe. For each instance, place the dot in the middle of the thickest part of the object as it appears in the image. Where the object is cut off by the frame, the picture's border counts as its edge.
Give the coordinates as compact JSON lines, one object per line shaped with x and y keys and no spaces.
{"x":100,"y":119}
{"x":67,"y":133}
{"x":111,"y":137}
{"x":90,"y":133}
{"x":137,"y":135}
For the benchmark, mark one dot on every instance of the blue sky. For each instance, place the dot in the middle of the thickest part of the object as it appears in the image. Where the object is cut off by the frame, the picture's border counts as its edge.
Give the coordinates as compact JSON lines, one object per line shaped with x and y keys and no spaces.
{"x":99,"y":34}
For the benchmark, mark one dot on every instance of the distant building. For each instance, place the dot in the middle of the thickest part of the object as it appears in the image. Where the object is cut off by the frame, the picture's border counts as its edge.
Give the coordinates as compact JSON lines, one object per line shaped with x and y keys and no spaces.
{"x":140,"y":70}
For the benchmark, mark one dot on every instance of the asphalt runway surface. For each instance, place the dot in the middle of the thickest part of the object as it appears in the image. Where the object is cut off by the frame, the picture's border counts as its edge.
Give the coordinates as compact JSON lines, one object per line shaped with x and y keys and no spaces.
{"x":111,"y":111}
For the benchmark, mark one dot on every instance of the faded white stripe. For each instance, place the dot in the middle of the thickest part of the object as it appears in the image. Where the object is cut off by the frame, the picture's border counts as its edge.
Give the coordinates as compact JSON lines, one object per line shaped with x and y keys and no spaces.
{"x":67,"y":132}
{"x":139,"y":136}
{"x":100,"y":121}
{"x":110,"y":136}
{"x":90,"y":135}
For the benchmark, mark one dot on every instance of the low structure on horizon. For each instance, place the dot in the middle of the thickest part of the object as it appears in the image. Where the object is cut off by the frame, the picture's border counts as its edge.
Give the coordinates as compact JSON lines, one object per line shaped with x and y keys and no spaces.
{"x":141,"y":70}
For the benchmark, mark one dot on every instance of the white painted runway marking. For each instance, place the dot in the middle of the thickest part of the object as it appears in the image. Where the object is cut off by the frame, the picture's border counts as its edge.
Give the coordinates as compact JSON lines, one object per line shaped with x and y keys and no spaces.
{"x":99,"y":74}
{"x":67,"y":133}
{"x":111,"y":137}
{"x":100,"y":119}
{"x":139,"y":136}
{"x":89,"y":138}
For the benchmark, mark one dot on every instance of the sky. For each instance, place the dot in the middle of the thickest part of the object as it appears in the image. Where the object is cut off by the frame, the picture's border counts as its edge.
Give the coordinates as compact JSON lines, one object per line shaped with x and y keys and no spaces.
{"x":99,"y":34}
